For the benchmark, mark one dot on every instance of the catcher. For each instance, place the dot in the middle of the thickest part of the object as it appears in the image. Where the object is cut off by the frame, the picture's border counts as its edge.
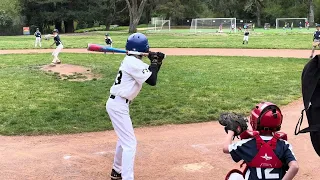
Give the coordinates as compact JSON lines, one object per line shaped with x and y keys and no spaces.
{"x":264,"y":151}
{"x":316,"y":40}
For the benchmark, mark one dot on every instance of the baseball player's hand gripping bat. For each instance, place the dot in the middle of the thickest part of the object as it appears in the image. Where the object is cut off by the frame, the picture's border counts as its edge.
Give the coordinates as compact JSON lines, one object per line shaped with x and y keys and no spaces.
{"x":100,"y":48}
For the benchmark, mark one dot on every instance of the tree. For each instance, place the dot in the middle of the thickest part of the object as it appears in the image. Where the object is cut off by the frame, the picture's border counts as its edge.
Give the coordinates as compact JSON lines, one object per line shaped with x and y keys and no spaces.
{"x":135,"y":12}
{"x":311,"y":12}
{"x":255,"y":6}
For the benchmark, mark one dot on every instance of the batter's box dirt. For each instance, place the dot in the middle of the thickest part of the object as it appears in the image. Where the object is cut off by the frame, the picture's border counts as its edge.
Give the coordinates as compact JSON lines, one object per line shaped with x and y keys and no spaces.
{"x":70,"y":72}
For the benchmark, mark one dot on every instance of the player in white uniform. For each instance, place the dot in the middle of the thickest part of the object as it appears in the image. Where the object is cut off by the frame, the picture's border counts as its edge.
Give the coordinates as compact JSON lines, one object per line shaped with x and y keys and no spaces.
{"x":37,"y":34}
{"x":58,"y":43}
{"x":133,"y":72}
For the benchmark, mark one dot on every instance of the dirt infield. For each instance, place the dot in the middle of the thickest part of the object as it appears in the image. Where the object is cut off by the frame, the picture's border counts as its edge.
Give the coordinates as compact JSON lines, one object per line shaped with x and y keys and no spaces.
{"x":194,"y":52}
{"x":172,"y":152}
{"x":70,"y":72}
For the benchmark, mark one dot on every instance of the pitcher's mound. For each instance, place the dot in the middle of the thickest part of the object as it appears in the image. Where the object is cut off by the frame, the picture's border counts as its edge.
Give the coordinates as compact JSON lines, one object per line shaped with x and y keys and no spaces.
{"x":70,"y":72}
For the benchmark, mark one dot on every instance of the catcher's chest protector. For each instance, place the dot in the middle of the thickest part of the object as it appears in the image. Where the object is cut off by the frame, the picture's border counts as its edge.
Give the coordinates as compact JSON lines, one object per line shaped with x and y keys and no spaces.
{"x":266,"y":158}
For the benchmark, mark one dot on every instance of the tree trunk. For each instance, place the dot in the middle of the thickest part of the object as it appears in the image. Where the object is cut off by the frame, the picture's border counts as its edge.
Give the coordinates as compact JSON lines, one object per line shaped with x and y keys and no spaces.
{"x":68,"y":26}
{"x":108,"y":23}
{"x":133,"y":25}
{"x":311,"y":13}
{"x":258,"y":13}
{"x":135,"y":13}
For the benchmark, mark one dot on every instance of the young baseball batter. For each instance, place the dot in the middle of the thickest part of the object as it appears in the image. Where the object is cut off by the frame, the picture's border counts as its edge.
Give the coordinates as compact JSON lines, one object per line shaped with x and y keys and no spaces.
{"x":316,"y":40}
{"x":265,"y":151}
{"x":133,"y":72}
{"x":246,"y":37}
{"x":59,"y":47}
{"x":37,"y":34}
{"x":108,"y":40}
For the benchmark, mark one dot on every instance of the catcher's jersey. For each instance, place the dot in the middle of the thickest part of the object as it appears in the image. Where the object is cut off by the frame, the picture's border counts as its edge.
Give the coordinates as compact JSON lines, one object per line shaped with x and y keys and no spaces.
{"x":132,"y":74}
{"x":316,"y":35}
{"x":247,"y":149}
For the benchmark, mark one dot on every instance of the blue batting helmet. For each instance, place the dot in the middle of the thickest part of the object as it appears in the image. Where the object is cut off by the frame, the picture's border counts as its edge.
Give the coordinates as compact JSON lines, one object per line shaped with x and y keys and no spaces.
{"x":137,"y":42}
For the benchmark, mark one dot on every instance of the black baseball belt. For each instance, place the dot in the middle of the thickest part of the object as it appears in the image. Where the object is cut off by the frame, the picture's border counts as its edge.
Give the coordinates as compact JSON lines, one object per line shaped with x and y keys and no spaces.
{"x":113,"y":97}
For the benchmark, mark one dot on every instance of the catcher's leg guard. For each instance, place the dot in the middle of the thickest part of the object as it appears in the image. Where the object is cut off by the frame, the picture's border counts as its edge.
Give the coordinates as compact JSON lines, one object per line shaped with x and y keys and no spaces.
{"x":235,"y":174}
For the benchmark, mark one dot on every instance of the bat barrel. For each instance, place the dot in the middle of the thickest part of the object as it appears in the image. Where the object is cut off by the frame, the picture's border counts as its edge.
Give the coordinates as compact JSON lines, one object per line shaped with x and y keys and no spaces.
{"x":95,"y":47}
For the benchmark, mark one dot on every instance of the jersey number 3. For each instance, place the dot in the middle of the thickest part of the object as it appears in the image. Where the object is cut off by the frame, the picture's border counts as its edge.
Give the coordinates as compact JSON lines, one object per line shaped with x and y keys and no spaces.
{"x":267,"y":174}
{"x":118,"y":78}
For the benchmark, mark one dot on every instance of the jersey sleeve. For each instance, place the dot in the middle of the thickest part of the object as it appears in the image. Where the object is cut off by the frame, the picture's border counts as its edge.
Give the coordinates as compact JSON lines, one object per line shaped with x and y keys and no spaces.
{"x":242,"y":150}
{"x":138,"y":70}
{"x":288,"y":153}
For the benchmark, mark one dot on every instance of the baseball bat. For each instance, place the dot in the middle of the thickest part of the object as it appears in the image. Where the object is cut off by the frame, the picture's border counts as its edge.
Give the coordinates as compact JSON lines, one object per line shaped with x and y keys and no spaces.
{"x":100,"y":48}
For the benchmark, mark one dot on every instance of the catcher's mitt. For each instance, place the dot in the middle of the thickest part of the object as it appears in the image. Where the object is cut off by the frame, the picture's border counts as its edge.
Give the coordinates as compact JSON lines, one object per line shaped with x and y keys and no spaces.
{"x":234,"y":122}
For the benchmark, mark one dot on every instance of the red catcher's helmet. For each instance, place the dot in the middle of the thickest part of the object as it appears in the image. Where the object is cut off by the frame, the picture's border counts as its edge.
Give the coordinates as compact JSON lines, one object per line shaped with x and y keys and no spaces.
{"x":266,"y":116}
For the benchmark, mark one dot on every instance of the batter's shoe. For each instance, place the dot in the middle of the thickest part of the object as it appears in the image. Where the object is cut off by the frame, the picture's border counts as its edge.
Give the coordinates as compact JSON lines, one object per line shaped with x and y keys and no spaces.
{"x":115,"y":176}
{"x":59,"y":62}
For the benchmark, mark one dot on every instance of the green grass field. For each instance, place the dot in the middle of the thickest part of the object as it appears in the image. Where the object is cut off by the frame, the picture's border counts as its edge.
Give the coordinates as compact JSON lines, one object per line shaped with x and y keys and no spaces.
{"x":190,"y":89}
{"x":264,"y":40}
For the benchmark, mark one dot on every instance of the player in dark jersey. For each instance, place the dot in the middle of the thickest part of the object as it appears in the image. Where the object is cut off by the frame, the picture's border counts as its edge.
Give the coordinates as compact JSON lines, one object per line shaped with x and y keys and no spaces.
{"x":108,"y":40}
{"x":246,"y":37}
{"x":59,"y":47}
{"x":316,"y":40}
{"x":37,"y":34}
{"x":264,"y":150}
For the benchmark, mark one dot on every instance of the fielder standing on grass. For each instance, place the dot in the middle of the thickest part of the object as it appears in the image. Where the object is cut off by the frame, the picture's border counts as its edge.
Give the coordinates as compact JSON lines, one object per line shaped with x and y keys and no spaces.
{"x":316,"y":40}
{"x":246,"y":36}
{"x":59,"y":47}
{"x":37,"y":34}
{"x":108,"y":40}
{"x":133,"y":72}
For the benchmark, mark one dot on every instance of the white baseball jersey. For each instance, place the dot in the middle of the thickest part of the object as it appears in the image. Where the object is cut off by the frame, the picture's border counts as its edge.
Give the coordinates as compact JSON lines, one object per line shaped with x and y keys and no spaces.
{"x":132,"y":74}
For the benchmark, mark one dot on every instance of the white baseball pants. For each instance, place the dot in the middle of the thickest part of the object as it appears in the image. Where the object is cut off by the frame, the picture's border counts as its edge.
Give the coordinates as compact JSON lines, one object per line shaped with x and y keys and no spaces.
{"x":235,"y":176}
{"x":118,"y":111}
{"x":245,"y":38}
{"x":38,"y":42}
{"x":56,"y":52}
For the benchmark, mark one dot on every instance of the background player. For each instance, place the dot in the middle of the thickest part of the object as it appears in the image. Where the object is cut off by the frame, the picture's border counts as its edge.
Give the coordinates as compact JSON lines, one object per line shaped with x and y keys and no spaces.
{"x":300,"y":25}
{"x":59,"y":47}
{"x":108,"y":40}
{"x":37,"y":34}
{"x":220,"y":28}
{"x":133,"y":72}
{"x":265,"y":151}
{"x":246,"y":36}
{"x":232,"y":27}
{"x":316,"y":40}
